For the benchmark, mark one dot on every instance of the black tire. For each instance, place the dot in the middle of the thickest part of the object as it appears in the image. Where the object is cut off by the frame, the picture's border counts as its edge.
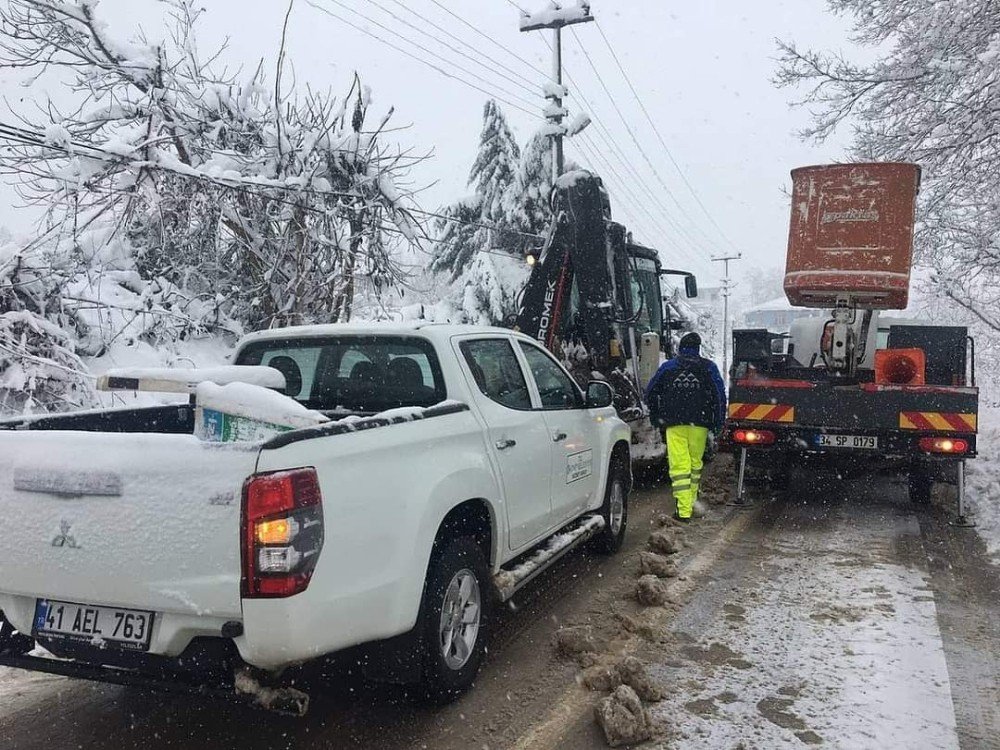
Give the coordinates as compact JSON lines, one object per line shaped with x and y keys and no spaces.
{"x":920,"y":483}
{"x":612,"y":536}
{"x":444,"y":681}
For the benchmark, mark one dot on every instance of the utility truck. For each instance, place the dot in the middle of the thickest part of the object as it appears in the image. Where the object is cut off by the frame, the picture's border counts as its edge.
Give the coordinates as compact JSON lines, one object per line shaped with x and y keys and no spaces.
{"x":855,"y":386}
{"x":404,"y":479}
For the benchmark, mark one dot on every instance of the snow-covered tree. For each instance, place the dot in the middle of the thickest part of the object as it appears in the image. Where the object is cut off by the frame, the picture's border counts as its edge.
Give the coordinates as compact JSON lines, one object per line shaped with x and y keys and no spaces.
{"x":528,"y":207}
{"x":491,"y":177}
{"x":929,"y":96}
{"x":180,"y":200}
{"x":38,"y":365}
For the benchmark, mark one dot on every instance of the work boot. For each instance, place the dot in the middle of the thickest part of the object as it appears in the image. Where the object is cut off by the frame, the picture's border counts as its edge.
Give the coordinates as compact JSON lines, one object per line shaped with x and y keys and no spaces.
{"x":681,"y":518}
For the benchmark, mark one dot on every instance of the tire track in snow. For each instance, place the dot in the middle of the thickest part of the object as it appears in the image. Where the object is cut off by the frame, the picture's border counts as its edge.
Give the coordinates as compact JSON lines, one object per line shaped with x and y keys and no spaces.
{"x":820,"y":628}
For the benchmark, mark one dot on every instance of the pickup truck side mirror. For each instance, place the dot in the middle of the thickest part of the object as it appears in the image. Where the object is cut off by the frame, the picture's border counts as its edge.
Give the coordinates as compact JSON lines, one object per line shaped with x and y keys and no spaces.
{"x":599,"y":394}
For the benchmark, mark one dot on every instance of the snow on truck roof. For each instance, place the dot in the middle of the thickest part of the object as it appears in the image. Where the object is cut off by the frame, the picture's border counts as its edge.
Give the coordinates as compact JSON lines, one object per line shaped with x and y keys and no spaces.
{"x":425,"y":328}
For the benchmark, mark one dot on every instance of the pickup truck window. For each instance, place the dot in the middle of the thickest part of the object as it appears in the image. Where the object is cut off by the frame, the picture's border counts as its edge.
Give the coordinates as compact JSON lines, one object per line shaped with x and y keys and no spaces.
{"x":359,"y":374}
{"x":297,"y":365}
{"x":497,"y":372}
{"x":556,"y":388}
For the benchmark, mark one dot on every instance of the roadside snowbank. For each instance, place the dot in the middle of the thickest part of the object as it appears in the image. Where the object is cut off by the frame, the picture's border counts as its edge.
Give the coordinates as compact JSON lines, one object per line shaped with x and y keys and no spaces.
{"x":983,"y":482}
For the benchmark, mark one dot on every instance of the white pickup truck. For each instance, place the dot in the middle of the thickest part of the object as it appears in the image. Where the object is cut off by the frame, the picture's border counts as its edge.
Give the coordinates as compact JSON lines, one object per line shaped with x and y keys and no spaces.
{"x":457,"y":463}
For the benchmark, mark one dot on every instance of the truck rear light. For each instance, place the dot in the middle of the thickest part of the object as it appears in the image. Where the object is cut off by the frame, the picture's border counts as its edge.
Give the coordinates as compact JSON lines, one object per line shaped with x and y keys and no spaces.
{"x":944,"y":445}
{"x":753,"y":437}
{"x":282,"y":532}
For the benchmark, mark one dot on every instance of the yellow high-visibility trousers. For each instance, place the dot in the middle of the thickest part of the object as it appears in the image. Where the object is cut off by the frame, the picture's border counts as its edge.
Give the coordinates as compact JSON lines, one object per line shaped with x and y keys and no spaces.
{"x":685,"y":451}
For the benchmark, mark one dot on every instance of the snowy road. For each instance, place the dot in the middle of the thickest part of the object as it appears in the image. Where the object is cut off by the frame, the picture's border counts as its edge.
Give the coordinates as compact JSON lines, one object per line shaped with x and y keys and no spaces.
{"x":821,"y":628}
{"x":809,"y":622}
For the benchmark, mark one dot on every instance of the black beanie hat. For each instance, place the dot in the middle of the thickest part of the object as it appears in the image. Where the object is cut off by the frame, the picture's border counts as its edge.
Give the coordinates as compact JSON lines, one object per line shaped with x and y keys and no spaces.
{"x":691,"y":341}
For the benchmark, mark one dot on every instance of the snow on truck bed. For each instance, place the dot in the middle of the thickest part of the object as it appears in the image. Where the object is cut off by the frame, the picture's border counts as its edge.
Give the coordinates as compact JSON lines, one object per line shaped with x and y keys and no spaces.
{"x":253,"y":401}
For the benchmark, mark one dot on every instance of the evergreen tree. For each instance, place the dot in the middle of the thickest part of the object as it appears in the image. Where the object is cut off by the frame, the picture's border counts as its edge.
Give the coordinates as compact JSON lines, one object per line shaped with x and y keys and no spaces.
{"x":491,"y":177}
{"x":527,"y":201}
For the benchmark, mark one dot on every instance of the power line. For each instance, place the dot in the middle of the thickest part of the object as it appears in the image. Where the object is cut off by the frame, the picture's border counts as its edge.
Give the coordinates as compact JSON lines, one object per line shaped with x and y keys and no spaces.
{"x":428,"y":51}
{"x":631,"y":132}
{"x":440,"y":41}
{"x":421,"y":60}
{"x":600,"y":162}
{"x":490,"y":39}
{"x":588,"y":152}
{"x":678,"y":225}
{"x":656,"y":130}
{"x":461,"y":41}
{"x":619,"y":153}
{"x":624,"y":186}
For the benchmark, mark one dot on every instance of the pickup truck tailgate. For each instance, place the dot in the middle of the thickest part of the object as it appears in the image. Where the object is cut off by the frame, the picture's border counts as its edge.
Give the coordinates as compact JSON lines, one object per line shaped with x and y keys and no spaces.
{"x":149,"y":521}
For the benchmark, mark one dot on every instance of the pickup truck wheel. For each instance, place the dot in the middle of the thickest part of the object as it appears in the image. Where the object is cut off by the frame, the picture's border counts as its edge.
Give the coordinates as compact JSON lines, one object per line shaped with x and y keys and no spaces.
{"x":614,"y":511}
{"x":455,"y":620}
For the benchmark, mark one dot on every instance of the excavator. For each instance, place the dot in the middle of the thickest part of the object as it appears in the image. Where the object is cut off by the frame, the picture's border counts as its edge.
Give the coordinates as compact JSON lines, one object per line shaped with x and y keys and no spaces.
{"x":595,"y":299}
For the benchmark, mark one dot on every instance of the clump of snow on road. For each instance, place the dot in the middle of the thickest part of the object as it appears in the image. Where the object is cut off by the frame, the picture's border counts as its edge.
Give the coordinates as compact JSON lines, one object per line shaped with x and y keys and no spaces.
{"x":983,"y":482}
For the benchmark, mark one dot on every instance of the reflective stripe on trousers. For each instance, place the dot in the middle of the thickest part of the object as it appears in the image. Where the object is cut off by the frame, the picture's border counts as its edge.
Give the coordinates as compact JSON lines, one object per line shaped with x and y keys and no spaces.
{"x":685,"y":452}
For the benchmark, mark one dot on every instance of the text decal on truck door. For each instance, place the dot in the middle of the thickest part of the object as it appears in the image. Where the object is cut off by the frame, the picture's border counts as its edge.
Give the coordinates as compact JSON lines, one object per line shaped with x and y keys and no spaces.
{"x":579,"y":466}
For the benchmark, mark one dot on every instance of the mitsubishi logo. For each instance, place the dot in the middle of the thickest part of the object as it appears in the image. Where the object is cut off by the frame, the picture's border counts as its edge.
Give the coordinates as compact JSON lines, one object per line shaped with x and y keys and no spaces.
{"x":64,"y":538}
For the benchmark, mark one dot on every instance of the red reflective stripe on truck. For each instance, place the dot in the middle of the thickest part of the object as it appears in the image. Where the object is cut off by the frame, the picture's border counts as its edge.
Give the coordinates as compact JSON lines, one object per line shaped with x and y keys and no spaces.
{"x":762,"y":412}
{"x":939,"y":421}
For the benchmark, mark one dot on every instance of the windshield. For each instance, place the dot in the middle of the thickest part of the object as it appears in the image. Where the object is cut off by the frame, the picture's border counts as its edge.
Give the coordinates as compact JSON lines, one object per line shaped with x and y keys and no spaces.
{"x":358,"y":374}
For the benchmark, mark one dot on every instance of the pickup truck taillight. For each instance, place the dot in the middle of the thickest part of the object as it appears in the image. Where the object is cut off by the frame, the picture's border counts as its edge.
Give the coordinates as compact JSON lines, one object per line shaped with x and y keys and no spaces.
{"x":282,"y":532}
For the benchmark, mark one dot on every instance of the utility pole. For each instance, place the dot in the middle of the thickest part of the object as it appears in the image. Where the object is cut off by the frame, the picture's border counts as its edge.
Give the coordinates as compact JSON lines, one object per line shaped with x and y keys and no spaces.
{"x":555,"y":17}
{"x":726,"y":291}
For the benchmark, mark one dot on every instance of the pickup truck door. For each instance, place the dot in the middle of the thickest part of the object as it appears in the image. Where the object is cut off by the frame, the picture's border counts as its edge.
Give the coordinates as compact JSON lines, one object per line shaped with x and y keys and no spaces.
{"x":517,"y":434}
{"x":572,"y":434}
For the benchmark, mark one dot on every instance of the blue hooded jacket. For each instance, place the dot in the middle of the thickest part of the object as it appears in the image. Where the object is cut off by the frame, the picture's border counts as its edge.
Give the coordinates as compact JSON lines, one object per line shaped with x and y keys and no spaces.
{"x":687,"y":389}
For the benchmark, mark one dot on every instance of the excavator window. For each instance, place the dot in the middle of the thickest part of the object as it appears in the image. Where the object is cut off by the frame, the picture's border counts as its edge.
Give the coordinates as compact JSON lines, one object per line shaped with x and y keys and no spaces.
{"x":644,"y":284}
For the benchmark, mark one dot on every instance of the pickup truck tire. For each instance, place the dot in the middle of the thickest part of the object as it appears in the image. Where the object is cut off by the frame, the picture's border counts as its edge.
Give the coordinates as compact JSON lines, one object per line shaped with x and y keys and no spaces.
{"x":614,"y":510}
{"x":455,"y":619}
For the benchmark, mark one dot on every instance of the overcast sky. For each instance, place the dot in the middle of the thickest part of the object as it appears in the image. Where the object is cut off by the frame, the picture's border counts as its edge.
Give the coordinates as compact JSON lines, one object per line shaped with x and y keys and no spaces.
{"x":703,"y":70}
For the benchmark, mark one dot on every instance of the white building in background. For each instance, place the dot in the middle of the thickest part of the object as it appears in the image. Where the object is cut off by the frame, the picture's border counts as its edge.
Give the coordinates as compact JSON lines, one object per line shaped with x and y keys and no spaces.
{"x":776,"y":315}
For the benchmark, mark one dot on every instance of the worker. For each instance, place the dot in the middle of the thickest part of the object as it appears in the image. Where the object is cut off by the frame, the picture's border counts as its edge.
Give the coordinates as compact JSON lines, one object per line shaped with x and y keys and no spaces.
{"x":687,"y":399}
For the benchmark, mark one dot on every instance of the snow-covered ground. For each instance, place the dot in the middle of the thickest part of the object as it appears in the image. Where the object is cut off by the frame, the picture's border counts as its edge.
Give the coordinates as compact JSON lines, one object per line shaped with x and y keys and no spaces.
{"x":983,"y":481}
{"x":828,"y":637}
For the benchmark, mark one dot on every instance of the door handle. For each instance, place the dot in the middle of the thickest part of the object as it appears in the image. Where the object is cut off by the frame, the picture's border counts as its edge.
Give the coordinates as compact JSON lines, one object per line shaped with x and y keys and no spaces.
{"x":558,"y":437}
{"x":504,"y":444}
